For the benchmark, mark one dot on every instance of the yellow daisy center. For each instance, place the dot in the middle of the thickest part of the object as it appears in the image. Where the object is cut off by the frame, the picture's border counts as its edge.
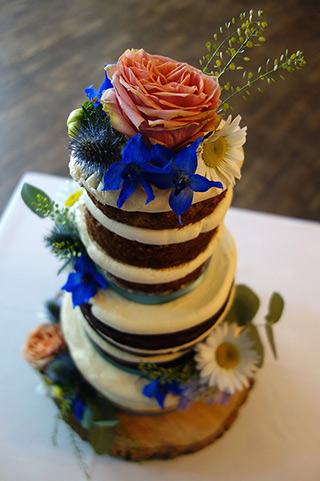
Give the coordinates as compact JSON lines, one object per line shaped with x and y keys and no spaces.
{"x":214,"y":152}
{"x":73,"y":198}
{"x":227,"y":355}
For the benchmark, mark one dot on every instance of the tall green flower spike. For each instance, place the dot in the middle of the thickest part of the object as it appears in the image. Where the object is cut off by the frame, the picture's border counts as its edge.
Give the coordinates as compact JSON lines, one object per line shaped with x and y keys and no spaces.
{"x":229,"y":52}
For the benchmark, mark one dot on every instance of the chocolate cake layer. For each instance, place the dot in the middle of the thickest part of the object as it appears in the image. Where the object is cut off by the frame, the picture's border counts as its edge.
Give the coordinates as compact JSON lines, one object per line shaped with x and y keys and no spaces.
{"x":135,"y":365}
{"x":161,"y":220}
{"x":163,"y":288}
{"x":150,"y":342}
{"x":146,"y":255}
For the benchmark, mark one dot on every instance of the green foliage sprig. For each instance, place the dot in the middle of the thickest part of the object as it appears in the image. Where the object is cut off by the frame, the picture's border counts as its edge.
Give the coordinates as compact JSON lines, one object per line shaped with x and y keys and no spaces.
{"x":63,"y":239}
{"x":236,"y":40}
{"x":295,"y":61}
{"x":182,"y":373}
{"x":229,"y":52}
{"x":243,"y":310}
{"x":65,"y":243}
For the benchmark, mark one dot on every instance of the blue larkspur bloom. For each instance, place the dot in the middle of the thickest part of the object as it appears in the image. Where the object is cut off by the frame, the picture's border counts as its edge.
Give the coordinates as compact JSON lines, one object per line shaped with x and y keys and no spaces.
{"x":181,"y":177}
{"x":85,"y":282}
{"x":160,"y":390}
{"x":78,"y":408}
{"x":77,"y":404}
{"x":93,"y":94}
{"x":132,"y":170}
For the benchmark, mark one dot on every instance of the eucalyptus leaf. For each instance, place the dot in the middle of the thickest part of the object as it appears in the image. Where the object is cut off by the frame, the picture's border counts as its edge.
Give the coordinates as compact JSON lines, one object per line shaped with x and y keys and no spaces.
{"x":271,"y":339}
{"x":244,"y":307}
{"x":275,"y":308}
{"x":87,"y":418}
{"x":29,"y":195}
{"x":108,"y":423}
{"x":101,"y":439}
{"x":257,"y":344}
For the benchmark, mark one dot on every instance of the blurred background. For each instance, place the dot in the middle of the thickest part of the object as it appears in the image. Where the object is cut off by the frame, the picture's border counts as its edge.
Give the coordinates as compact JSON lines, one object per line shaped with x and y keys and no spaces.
{"x":50,"y":50}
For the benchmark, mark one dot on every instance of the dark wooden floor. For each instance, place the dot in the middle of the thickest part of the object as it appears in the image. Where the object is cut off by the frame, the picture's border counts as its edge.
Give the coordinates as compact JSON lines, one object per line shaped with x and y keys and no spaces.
{"x":51,"y":49}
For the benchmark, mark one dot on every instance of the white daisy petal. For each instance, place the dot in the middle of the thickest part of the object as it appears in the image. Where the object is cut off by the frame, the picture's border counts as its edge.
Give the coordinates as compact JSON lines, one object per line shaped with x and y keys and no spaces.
{"x":235,"y":170}
{"x":219,"y":367}
{"x":221,"y":159}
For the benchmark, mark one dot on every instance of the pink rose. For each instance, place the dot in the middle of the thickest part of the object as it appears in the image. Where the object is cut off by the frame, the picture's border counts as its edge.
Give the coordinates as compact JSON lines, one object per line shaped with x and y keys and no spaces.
{"x":41,"y":345}
{"x":170,"y":102}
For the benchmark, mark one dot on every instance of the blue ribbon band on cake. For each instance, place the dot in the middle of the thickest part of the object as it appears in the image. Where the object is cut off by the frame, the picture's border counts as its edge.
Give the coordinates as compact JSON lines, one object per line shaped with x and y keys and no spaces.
{"x":152,"y":299}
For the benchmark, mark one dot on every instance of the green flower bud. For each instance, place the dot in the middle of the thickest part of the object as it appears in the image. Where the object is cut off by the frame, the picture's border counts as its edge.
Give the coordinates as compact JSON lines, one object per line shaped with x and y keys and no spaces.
{"x":75,"y":117}
{"x":57,"y":391}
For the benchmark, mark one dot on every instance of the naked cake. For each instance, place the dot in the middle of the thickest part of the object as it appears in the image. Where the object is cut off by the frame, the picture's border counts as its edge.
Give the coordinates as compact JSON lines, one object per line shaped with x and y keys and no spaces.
{"x":152,"y":320}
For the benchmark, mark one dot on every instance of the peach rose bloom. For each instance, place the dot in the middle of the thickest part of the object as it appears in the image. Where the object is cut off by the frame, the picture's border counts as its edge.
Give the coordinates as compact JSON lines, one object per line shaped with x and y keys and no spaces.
{"x":169,"y":102}
{"x":41,"y":345}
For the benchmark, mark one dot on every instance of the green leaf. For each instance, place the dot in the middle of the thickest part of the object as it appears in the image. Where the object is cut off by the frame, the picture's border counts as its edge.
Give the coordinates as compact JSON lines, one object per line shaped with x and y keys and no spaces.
{"x":244,"y":307}
{"x":87,"y":418}
{"x":108,"y":423}
{"x":276,"y":306}
{"x":103,"y":413}
{"x":101,"y":439}
{"x":271,"y":339}
{"x":29,"y":195}
{"x":257,"y":344}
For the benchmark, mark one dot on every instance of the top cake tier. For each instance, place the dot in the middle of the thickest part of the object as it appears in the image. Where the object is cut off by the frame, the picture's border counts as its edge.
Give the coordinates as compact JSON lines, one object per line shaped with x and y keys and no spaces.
{"x":157,"y":165}
{"x":149,"y":252}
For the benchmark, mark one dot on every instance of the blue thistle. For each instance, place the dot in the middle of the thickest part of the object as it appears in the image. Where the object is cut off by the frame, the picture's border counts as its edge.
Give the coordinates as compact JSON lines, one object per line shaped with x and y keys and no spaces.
{"x":95,"y":144}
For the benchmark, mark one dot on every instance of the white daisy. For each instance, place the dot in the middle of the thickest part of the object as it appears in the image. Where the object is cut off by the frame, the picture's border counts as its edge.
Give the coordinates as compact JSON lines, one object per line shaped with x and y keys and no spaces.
{"x":220,"y":155}
{"x":68,"y":194}
{"x":226,"y":359}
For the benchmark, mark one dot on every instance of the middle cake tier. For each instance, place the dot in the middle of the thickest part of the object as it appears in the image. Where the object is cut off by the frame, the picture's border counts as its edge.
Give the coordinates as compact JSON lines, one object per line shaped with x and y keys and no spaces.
{"x":128,"y":332}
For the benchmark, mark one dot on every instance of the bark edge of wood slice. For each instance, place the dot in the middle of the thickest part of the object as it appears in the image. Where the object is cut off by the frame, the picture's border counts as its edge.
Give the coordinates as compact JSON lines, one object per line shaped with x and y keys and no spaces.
{"x":166,"y":436}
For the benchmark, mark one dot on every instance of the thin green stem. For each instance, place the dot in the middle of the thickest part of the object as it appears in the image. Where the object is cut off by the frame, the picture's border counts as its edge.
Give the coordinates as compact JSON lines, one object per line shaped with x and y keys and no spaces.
{"x":217,"y":50}
{"x":242,"y":46}
{"x":249,"y":84}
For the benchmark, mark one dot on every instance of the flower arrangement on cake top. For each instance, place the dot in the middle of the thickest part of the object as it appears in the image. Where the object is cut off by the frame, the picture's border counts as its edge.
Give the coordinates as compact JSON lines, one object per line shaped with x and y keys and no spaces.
{"x":166,"y":118}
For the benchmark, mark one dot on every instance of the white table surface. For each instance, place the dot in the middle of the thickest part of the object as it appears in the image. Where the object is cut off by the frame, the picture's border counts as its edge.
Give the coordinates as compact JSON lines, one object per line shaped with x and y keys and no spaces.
{"x":277,"y":433}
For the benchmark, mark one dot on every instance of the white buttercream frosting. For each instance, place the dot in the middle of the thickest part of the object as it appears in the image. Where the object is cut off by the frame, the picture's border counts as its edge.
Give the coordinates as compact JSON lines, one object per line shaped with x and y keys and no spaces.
{"x":163,"y":236}
{"x":142,"y":275}
{"x":137,"y":201}
{"x":185,"y":312}
{"x":122,"y":388}
{"x":176,"y":350}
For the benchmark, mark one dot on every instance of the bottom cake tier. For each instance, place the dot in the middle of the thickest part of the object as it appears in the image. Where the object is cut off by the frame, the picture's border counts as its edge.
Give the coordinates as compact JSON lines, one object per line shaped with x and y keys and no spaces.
{"x":142,"y":438}
{"x":108,"y":368}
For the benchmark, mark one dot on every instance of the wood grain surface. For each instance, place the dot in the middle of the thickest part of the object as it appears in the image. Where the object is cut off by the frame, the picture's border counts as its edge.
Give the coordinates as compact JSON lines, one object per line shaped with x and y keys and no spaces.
{"x":169,"y":435}
{"x":50,"y":50}
{"x":140,"y":437}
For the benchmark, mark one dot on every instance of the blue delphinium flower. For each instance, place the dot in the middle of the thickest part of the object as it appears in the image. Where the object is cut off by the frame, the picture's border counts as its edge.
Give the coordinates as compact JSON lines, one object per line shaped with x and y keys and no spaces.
{"x":85,"y":282}
{"x":160,"y":390}
{"x":78,"y":408}
{"x":93,"y":94}
{"x":131,"y":171}
{"x":181,"y":177}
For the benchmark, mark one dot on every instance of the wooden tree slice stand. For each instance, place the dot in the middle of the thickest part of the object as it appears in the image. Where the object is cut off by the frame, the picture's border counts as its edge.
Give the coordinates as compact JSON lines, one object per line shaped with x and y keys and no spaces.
{"x":169,"y":435}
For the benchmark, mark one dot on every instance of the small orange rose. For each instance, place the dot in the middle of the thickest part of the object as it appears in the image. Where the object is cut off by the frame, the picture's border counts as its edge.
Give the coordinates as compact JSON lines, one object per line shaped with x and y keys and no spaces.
{"x":41,"y":345}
